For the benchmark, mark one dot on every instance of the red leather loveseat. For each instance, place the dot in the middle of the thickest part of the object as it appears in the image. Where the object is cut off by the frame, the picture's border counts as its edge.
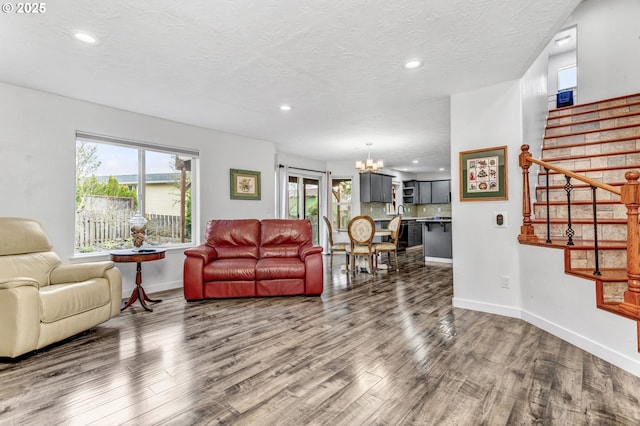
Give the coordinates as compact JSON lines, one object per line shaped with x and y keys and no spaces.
{"x":249,"y":258}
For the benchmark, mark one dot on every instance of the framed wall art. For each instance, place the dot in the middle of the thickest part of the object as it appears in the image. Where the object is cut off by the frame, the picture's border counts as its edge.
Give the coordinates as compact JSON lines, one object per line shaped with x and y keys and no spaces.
{"x":483,"y":174}
{"x":245,"y":184}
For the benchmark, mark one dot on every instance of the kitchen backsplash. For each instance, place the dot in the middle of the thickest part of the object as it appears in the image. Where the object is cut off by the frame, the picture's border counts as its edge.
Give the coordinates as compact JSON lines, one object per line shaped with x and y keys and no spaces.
{"x":430,"y":210}
{"x":410,"y":210}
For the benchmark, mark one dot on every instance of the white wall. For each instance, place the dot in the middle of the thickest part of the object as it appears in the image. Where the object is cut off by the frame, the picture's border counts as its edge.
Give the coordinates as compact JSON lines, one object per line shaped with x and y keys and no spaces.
{"x":37,"y":146}
{"x":534,"y":104}
{"x":608,"y":45}
{"x":434,"y":175}
{"x":482,"y":252}
{"x":303,"y":163}
{"x":566,"y":307}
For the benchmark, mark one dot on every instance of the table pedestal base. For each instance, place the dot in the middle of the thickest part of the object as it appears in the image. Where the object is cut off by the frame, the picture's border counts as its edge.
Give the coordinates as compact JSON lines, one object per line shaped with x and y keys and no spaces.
{"x":139,"y":293}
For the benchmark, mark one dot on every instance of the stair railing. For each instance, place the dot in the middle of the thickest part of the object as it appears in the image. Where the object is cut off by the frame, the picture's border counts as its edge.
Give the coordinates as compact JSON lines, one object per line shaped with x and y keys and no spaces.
{"x":629,"y":196}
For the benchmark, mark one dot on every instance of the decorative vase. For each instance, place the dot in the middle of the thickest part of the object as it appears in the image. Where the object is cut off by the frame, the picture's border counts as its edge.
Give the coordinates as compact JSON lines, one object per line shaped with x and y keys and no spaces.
{"x":138,"y":229}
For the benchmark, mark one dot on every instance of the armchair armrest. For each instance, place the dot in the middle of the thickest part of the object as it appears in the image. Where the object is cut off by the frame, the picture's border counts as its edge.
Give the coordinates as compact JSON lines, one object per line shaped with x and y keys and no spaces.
{"x":18,"y":282}
{"x":207,"y":253}
{"x":309,"y":250}
{"x":76,"y":272}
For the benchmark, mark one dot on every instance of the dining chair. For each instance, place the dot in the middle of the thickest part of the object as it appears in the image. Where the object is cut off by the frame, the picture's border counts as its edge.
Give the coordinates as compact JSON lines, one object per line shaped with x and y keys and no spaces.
{"x":333,"y":247}
{"x":361,"y":231}
{"x":391,"y":245}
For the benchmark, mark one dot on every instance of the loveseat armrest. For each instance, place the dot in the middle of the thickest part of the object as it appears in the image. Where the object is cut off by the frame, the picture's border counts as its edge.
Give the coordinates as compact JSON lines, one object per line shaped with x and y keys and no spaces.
{"x":18,"y":282}
{"x":207,"y":253}
{"x":193,"y":271}
{"x":314,"y":269}
{"x":78,"y":272}
{"x":309,"y":250}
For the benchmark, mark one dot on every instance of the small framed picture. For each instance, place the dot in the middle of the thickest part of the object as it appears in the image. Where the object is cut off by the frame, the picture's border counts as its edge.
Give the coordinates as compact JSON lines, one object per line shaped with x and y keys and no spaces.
{"x":245,"y":184}
{"x":483,"y":174}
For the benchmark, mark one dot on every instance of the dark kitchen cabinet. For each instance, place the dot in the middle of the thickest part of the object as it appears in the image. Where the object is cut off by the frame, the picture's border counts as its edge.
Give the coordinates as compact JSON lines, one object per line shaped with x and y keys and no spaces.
{"x":425,"y":192}
{"x":376,"y":188}
{"x":410,"y":233}
{"x":415,"y":233}
{"x":440,"y":192}
{"x":410,"y":192}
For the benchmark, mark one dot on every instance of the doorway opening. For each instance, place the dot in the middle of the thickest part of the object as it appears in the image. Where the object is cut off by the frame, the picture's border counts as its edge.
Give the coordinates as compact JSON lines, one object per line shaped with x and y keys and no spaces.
{"x":562,"y":80}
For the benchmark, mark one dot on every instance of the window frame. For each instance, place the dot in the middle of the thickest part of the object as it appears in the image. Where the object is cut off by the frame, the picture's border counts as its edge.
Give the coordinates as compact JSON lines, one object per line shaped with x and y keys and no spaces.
{"x":143,"y":148}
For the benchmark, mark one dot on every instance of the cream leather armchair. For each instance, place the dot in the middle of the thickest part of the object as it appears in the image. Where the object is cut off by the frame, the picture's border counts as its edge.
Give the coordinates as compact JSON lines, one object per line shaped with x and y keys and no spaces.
{"x":43,"y":301}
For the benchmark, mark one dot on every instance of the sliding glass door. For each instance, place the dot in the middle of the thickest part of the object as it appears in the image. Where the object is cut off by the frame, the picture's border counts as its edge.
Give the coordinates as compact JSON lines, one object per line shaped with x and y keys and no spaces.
{"x":304,"y":201}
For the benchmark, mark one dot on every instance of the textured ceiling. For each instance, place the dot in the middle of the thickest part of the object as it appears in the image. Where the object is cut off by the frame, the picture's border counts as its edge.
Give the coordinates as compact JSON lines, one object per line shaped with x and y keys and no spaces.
{"x":229,"y":64}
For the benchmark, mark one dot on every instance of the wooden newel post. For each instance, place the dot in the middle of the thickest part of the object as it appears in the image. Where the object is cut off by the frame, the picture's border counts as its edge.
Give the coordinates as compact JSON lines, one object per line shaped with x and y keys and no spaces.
{"x":630,"y":196}
{"x":526,"y":230}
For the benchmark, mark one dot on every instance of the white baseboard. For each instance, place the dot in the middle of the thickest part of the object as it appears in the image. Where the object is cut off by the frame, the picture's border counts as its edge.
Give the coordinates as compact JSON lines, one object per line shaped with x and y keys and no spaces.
{"x":490,"y":308}
{"x":606,"y":353}
{"x":437,"y":259}
{"x":153,"y":288}
{"x":610,"y":355}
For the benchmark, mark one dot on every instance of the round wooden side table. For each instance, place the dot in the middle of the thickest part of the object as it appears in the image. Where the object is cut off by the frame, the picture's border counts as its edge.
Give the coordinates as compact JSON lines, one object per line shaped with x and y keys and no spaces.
{"x":138,"y":256}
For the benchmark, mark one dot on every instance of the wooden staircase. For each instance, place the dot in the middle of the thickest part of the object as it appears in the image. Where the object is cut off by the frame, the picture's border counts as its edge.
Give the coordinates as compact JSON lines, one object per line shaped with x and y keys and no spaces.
{"x":588,"y":151}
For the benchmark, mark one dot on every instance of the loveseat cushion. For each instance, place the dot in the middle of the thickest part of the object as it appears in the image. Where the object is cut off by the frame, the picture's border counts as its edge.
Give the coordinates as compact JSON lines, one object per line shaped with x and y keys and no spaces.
{"x":61,"y":301}
{"x":230,"y":270}
{"x":284,"y":237}
{"x":280,"y":268}
{"x":238,"y":238}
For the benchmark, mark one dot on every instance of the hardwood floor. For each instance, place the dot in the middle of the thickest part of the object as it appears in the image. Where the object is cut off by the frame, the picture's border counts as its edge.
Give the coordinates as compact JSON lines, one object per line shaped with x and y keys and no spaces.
{"x":386,"y":349}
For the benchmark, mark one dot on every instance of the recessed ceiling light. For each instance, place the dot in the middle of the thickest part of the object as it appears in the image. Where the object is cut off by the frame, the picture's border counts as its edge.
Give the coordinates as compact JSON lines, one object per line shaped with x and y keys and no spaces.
{"x":563,"y":40}
{"x":285,"y":107}
{"x":415,"y":161}
{"x":86,"y":38}
{"x":412,"y":63}
{"x":441,"y":169}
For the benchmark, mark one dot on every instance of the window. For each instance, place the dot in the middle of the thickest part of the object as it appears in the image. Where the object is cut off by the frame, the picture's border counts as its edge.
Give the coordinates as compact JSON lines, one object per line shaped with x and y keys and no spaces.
{"x":567,"y":77}
{"x":341,"y":203}
{"x":117,"y":179}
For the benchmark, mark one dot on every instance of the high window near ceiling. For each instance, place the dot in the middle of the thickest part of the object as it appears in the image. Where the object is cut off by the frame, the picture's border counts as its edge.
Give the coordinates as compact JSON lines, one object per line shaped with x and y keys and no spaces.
{"x":117,"y":179}
{"x":567,"y":77}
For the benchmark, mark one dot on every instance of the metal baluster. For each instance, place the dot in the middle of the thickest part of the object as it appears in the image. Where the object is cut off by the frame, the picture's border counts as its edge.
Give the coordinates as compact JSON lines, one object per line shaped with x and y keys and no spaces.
{"x":570,"y":232}
{"x":595,"y":231}
{"x":548,"y":218}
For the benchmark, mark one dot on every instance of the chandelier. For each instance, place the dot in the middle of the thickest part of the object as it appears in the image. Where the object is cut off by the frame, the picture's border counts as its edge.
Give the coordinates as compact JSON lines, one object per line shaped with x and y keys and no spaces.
{"x":369,"y":165}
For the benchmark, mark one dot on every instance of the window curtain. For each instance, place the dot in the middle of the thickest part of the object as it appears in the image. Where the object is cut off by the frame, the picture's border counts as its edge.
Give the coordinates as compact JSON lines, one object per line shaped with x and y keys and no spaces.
{"x":326,"y":209}
{"x":282,"y":211}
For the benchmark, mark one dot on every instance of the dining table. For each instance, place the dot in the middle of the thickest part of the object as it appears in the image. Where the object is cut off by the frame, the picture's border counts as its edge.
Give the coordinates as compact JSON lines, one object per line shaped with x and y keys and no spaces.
{"x":378,"y":233}
{"x":382,"y":233}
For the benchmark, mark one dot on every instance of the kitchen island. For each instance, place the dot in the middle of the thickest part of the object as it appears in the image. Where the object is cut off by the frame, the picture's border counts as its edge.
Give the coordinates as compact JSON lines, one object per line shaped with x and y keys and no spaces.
{"x":436,"y":239}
